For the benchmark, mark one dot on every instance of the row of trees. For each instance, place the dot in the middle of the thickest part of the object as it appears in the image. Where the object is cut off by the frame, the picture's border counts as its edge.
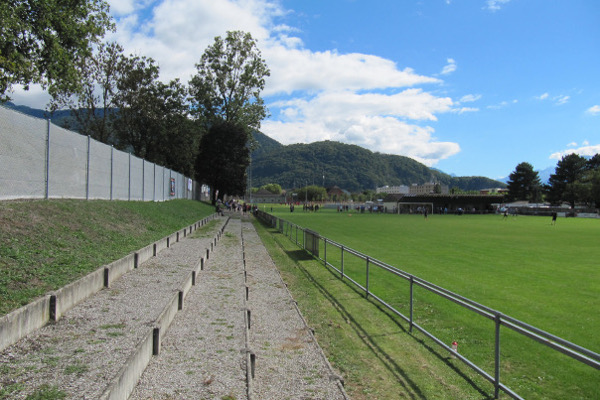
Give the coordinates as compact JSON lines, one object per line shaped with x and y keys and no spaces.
{"x":202,"y":129}
{"x":576,"y":180}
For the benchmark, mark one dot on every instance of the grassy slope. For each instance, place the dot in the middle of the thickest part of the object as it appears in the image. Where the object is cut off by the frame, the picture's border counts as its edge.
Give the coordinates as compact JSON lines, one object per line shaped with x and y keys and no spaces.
{"x":45,"y":245}
{"x":544,"y":275}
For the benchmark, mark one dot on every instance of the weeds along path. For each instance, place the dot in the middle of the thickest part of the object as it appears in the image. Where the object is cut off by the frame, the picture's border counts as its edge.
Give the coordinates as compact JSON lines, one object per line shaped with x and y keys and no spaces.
{"x":79,"y":355}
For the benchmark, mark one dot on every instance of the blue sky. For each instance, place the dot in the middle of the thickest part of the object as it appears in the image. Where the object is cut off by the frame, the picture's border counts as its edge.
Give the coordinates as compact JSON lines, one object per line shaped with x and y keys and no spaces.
{"x":471,"y":87}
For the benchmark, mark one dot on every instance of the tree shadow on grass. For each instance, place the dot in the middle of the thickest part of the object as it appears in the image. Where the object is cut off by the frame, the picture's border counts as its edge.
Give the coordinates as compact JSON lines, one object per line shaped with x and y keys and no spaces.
{"x":411,"y":388}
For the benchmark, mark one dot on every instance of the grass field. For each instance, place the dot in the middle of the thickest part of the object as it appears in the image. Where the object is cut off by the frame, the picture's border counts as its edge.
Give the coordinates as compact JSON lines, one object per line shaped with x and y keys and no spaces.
{"x":524,"y":267}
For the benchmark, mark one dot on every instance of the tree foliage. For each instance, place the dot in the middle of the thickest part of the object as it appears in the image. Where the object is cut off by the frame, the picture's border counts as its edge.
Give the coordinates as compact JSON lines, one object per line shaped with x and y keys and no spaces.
{"x":92,"y":99}
{"x":222,"y":159}
{"x":41,"y":40}
{"x":524,"y":184}
{"x":231,"y":75}
{"x":563,"y":184}
{"x":272,"y":187}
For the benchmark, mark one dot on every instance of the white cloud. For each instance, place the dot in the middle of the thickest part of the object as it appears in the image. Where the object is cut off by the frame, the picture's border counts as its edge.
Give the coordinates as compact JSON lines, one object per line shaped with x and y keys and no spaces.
{"x":470,"y":98}
{"x":594,"y":110}
{"x":502,"y":104}
{"x":495,"y":5}
{"x":450,"y":67}
{"x":585,"y":150}
{"x":384,"y":134}
{"x":543,"y":96}
{"x":558,"y":100}
{"x":572,"y":144}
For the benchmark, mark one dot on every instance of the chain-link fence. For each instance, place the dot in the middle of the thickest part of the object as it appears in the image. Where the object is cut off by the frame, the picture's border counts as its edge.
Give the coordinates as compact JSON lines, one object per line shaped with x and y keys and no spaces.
{"x":41,"y":160}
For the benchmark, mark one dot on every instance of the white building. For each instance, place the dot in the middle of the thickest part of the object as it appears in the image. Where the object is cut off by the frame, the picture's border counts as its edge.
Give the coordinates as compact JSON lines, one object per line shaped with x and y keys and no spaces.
{"x":402,"y":189}
{"x":428,"y":188}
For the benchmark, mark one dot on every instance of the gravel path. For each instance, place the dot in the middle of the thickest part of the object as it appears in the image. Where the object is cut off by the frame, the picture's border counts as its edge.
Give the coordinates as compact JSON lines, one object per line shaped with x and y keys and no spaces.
{"x":239,"y":310}
{"x":201,"y":356}
{"x":82,"y":352}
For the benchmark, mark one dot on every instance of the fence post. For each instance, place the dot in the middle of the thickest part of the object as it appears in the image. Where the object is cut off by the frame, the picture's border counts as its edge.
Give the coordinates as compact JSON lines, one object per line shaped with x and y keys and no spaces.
{"x":112,"y":150}
{"x":367,"y":294}
{"x":411,"y":304}
{"x":129,"y":185}
{"x":143,"y":180}
{"x":48,"y":159}
{"x":497,"y":358}
{"x":342,"y":262}
{"x":87,"y":172}
{"x":325,"y":252}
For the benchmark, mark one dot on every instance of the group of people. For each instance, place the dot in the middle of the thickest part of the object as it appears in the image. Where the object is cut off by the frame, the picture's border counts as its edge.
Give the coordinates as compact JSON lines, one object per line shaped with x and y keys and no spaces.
{"x":233,"y":205}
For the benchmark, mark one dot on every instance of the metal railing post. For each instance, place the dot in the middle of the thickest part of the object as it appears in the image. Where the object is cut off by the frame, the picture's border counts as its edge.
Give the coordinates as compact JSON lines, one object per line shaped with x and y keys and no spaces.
{"x":342,"y":269}
{"x":325,"y":252}
{"x":497,"y":357}
{"x":412,"y":282}
{"x":367,"y":291}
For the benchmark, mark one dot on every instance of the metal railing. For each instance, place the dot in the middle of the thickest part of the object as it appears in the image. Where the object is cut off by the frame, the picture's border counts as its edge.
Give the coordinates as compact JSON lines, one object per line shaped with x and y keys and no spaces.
{"x":305,"y":238}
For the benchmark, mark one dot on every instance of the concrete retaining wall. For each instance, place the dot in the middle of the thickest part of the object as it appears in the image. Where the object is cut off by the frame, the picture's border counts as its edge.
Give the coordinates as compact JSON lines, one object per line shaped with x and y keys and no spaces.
{"x":118,"y":268}
{"x":23,"y":321}
{"x":73,"y":293}
{"x":144,"y":254}
{"x":124,"y":383}
{"x":161,"y":245}
{"x":166,"y":316}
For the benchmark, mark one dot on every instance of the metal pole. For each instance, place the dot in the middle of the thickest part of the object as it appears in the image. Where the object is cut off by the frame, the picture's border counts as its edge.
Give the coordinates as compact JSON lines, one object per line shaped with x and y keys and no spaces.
{"x":497,"y":358}
{"x":129,"y":189}
{"x":87,"y":172}
{"x":367,"y":294}
{"x":48,"y":160}
{"x":342,"y":262}
{"x":143,"y":180}
{"x":112,"y":150}
{"x":325,"y":252}
{"x":411,"y":303}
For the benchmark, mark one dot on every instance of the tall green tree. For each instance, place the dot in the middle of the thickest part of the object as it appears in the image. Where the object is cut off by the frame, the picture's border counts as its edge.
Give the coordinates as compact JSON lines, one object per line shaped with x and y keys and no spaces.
{"x":225,"y":94}
{"x":563,"y":184}
{"x":92,"y":100}
{"x":231,"y":74}
{"x":223,"y":171}
{"x":41,"y":40}
{"x":524,"y":184}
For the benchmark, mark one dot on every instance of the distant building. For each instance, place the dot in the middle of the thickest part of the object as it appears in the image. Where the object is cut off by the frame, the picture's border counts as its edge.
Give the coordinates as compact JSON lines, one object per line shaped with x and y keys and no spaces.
{"x":402,"y":189}
{"x":428,"y":188}
{"x":335,"y":193}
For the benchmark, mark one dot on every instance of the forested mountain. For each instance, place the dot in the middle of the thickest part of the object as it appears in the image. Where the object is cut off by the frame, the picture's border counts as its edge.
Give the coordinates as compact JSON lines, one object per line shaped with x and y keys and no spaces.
{"x":350,"y":167}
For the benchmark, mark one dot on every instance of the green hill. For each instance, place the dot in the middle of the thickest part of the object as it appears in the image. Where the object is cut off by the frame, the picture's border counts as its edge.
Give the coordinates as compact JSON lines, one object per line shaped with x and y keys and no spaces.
{"x":350,"y":167}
